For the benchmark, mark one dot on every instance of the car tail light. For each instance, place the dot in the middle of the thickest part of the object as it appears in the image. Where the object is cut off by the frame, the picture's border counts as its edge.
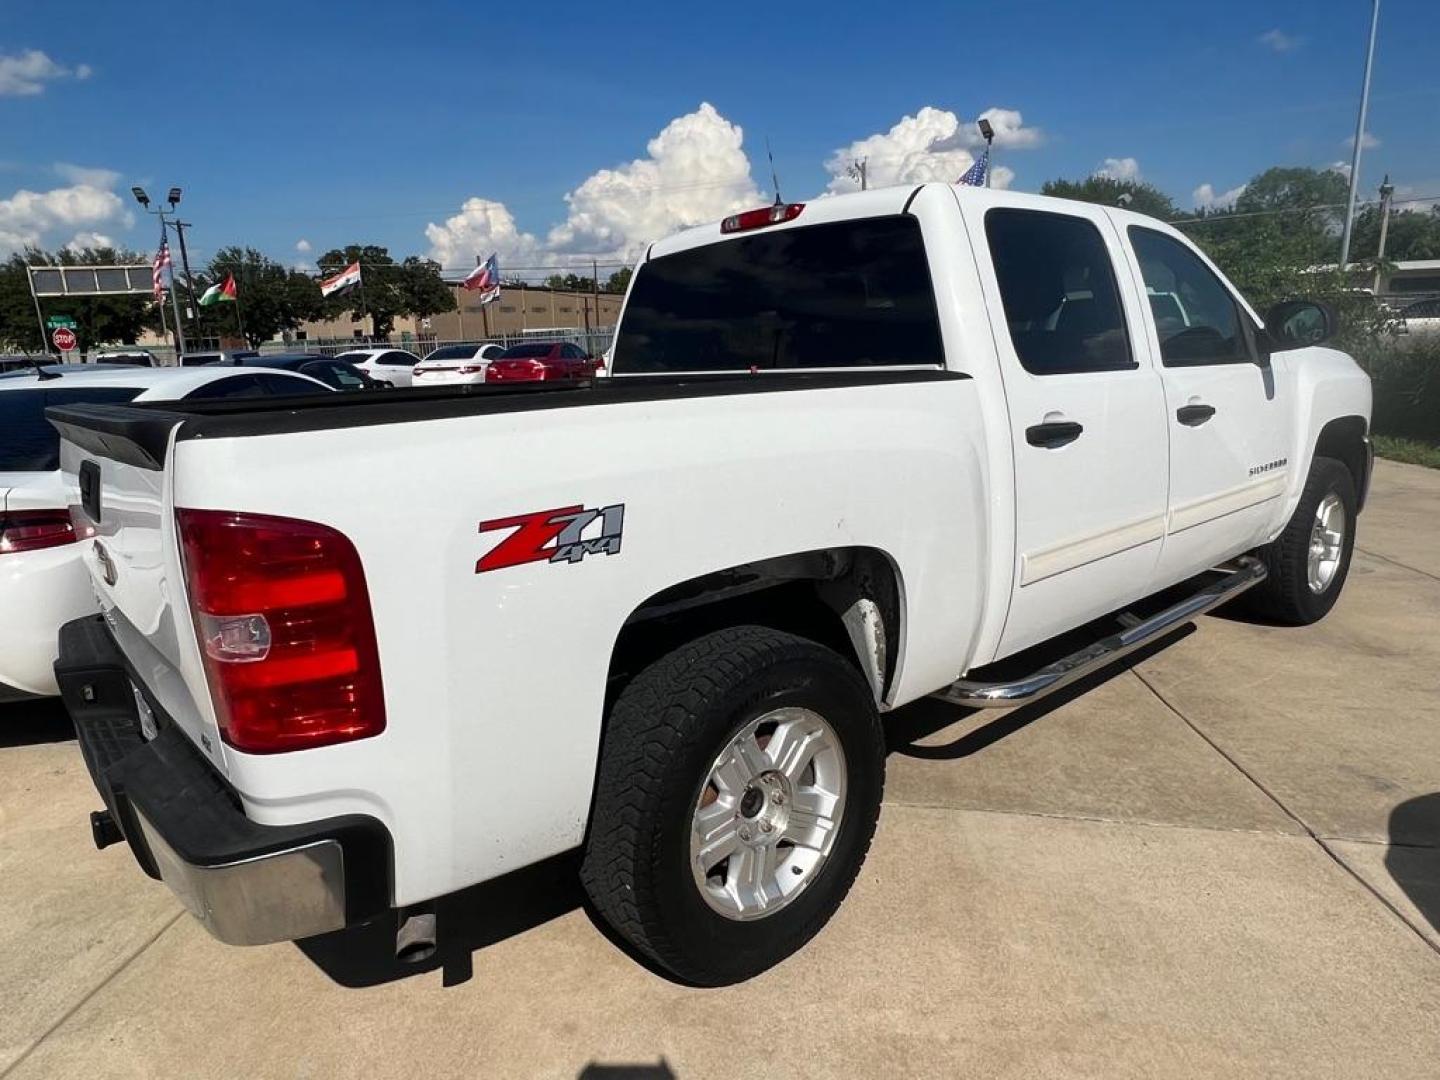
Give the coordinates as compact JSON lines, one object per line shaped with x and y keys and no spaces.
{"x":471,"y":369}
{"x":31,"y":530}
{"x":284,"y":624}
{"x":758,"y":219}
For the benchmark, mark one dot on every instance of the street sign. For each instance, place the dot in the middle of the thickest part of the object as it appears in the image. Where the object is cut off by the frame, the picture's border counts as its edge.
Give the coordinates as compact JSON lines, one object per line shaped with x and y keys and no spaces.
{"x":67,"y":321}
{"x":64,"y":338}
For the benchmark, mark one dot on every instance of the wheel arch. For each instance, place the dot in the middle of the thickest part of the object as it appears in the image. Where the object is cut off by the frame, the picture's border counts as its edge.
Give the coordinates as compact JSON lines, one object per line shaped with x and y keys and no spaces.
{"x":850,"y":599}
{"x":1345,"y":439}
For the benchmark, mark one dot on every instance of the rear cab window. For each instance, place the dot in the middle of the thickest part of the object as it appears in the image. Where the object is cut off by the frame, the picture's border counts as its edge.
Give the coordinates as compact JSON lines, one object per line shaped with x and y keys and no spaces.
{"x":845,"y":294}
{"x":30,"y":442}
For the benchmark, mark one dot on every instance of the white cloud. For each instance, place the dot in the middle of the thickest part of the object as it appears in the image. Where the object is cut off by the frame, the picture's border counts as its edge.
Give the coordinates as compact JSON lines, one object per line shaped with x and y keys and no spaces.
{"x":302,"y":246}
{"x":1367,"y":142}
{"x":83,"y":239}
{"x":82,"y":174}
{"x":29,"y":217}
{"x":934,"y":144}
{"x":1278,"y":41}
{"x":482,"y":226}
{"x":1206,"y":198}
{"x":696,"y":171}
{"x":1121,"y":169}
{"x":24,"y":74}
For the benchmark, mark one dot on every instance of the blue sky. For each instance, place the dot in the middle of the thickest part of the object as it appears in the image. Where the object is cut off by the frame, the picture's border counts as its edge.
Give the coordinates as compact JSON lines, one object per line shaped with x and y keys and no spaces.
{"x":366,"y":121}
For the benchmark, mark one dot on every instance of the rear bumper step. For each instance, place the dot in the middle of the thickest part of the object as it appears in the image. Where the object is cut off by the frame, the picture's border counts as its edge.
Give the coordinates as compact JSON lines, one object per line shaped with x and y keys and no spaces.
{"x":1246,"y":572}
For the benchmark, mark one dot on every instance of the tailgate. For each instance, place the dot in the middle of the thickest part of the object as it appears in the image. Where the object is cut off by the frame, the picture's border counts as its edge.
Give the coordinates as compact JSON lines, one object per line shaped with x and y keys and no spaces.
{"x":115,"y":462}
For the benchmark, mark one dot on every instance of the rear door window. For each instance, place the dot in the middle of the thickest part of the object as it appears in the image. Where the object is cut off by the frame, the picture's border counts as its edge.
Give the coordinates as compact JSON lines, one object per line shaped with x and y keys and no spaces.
{"x":839,"y":295}
{"x":237,"y":386}
{"x":28,"y":442}
{"x":1057,"y":283}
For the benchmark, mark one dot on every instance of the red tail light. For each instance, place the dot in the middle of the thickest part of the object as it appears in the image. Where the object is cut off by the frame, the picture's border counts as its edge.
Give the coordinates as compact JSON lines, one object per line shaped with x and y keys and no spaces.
{"x":471,"y":369}
{"x":283,"y":619}
{"x":31,"y":530}
{"x":758,"y":219}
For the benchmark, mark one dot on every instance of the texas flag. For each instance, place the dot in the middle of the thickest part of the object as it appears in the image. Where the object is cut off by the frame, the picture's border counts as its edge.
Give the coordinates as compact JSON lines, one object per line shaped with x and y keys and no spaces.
{"x":484,"y":279}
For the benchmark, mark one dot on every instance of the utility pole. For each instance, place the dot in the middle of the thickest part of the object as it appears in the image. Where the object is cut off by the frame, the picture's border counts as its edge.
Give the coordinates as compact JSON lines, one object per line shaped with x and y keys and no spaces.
{"x":1387,"y":189}
{"x":595,"y":293}
{"x":174,"y":303}
{"x":180,"y":227}
{"x":1359,"y":138}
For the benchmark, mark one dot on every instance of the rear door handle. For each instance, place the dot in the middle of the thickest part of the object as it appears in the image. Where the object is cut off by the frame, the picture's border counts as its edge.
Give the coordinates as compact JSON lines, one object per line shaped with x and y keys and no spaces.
{"x":1194,"y":415}
{"x":1053,"y":435}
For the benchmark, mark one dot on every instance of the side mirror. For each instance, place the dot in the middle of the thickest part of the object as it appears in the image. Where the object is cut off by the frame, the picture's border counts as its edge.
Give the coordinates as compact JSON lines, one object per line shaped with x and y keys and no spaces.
{"x":1294,"y":324}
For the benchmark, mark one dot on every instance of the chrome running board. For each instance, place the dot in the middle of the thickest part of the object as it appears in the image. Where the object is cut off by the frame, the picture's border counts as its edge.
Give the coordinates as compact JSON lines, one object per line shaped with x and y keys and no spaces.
{"x":1243,"y":574}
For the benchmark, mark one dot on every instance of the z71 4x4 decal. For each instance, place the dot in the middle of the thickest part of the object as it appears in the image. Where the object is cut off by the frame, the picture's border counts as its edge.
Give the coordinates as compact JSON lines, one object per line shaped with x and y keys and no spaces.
{"x":554,"y":536}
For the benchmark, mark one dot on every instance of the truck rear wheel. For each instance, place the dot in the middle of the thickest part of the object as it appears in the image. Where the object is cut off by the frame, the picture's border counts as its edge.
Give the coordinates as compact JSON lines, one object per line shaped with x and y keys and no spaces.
{"x":1309,"y":560}
{"x":739,"y":786}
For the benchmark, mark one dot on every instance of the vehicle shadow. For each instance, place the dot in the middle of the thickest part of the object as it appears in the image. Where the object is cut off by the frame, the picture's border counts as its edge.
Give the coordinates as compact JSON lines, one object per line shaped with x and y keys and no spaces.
{"x":530,"y":897}
{"x":465,"y":922}
{"x":30,"y":723}
{"x":1413,"y":858}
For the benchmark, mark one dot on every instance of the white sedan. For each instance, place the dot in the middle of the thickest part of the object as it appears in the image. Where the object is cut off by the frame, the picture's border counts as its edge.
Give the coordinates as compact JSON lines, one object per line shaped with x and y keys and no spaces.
{"x":42,"y":579}
{"x":392,"y":366}
{"x":451,"y":364}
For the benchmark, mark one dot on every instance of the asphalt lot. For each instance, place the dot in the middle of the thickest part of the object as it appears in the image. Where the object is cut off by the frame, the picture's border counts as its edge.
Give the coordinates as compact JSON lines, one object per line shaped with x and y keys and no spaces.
{"x":1222,"y":861}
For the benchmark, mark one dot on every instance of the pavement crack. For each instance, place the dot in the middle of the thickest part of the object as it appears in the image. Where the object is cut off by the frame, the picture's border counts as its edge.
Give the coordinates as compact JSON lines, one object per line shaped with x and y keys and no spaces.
{"x":1319,"y":842}
{"x":1397,"y":562}
{"x":1090,"y":819}
{"x":84,"y":1000}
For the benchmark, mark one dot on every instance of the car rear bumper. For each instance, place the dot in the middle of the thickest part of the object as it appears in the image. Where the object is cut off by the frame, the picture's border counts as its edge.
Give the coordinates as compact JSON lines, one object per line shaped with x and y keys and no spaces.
{"x":248,"y":884}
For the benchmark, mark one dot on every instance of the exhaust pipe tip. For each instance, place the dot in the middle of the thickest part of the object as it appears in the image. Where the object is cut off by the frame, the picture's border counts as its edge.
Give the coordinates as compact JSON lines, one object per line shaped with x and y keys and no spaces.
{"x":415,"y":940}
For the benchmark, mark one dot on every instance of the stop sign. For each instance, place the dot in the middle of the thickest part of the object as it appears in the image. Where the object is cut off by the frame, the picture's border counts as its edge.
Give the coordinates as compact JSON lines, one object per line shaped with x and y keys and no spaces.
{"x":64,"y":338}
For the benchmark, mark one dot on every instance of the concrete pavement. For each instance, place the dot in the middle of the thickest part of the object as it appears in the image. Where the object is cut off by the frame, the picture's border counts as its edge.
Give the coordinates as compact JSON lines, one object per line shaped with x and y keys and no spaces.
{"x":1224,"y":861}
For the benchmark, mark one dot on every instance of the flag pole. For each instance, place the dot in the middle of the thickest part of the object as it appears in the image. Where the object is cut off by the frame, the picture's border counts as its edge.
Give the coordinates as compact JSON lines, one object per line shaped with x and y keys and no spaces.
{"x":239,"y":317}
{"x":364,"y":307}
{"x":174,"y":302}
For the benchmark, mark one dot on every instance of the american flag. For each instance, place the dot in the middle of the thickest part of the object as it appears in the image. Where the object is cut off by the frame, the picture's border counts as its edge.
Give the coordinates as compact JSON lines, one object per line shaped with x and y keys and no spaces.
{"x":975,"y":175}
{"x":161,"y":267}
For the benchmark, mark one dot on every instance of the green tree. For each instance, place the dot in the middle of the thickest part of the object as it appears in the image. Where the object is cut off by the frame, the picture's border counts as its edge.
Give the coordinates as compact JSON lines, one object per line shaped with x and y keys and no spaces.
{"x":571,"y":282}
{"x":389,"y":289}
{"x":273,"y":298}
{"x":1143,"y":198}
{"x":100,"y":320}
{"x":619,"y":281}
{"x":1413,"y":234}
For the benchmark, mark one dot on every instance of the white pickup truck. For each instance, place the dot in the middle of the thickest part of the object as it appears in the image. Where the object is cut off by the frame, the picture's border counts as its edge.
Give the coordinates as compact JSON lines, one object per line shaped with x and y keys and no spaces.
{"x":359,"y":652}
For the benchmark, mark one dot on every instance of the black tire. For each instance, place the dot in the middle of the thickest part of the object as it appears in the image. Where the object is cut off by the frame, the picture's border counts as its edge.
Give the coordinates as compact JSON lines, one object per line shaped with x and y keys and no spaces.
{"x":662,"y":735}
{"x":1285,"y":595}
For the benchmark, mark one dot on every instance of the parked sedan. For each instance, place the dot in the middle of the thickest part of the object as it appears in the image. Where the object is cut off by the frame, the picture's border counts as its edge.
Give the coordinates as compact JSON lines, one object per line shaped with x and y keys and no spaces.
{"x":537,"y":361}
{"x":452,"y":364}
{"x":215,"y":356}
{"x":390,"y":366}
{"x":42,"y":579}
{"x":332,"y":371}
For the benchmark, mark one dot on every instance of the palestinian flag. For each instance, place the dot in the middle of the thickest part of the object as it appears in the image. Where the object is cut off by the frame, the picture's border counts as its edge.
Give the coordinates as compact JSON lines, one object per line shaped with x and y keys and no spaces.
{"x":220,"y":292}
{"x":346,"y":279}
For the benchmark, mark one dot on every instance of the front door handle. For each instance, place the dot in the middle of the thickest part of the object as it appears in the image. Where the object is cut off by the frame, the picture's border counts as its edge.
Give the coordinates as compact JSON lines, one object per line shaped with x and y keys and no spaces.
{"x":1194,"y":415}
{"x":1053,"y":435}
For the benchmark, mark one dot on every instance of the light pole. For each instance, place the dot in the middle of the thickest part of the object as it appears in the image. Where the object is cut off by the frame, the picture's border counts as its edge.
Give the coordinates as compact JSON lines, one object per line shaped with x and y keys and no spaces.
{"x":1359,"y":138}
{"x":1387,"y":189}
{"x":159,"y":211}
{"x":987,"y":132}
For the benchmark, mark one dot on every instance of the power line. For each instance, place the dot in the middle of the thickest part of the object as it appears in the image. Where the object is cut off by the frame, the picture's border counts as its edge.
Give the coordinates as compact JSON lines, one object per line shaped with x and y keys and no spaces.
{"x":1230,"y":215}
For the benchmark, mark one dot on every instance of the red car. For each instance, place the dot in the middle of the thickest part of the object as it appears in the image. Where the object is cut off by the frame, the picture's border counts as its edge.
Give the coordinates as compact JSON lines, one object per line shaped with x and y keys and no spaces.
{"x":541,"y":360}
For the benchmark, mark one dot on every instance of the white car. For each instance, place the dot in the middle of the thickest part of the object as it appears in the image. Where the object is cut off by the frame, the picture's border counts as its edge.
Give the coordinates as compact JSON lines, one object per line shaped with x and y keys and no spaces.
{"x":389,"y":366}
{"x":42,"y":579}
{"x":452,"y":364}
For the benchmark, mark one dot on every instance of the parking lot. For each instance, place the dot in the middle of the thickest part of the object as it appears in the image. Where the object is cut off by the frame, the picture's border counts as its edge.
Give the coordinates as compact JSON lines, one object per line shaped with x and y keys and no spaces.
{"x":1222,"y":860}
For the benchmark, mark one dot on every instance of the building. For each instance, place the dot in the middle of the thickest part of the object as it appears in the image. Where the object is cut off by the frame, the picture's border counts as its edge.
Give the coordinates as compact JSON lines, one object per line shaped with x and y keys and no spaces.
{"x":523,"y":308}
